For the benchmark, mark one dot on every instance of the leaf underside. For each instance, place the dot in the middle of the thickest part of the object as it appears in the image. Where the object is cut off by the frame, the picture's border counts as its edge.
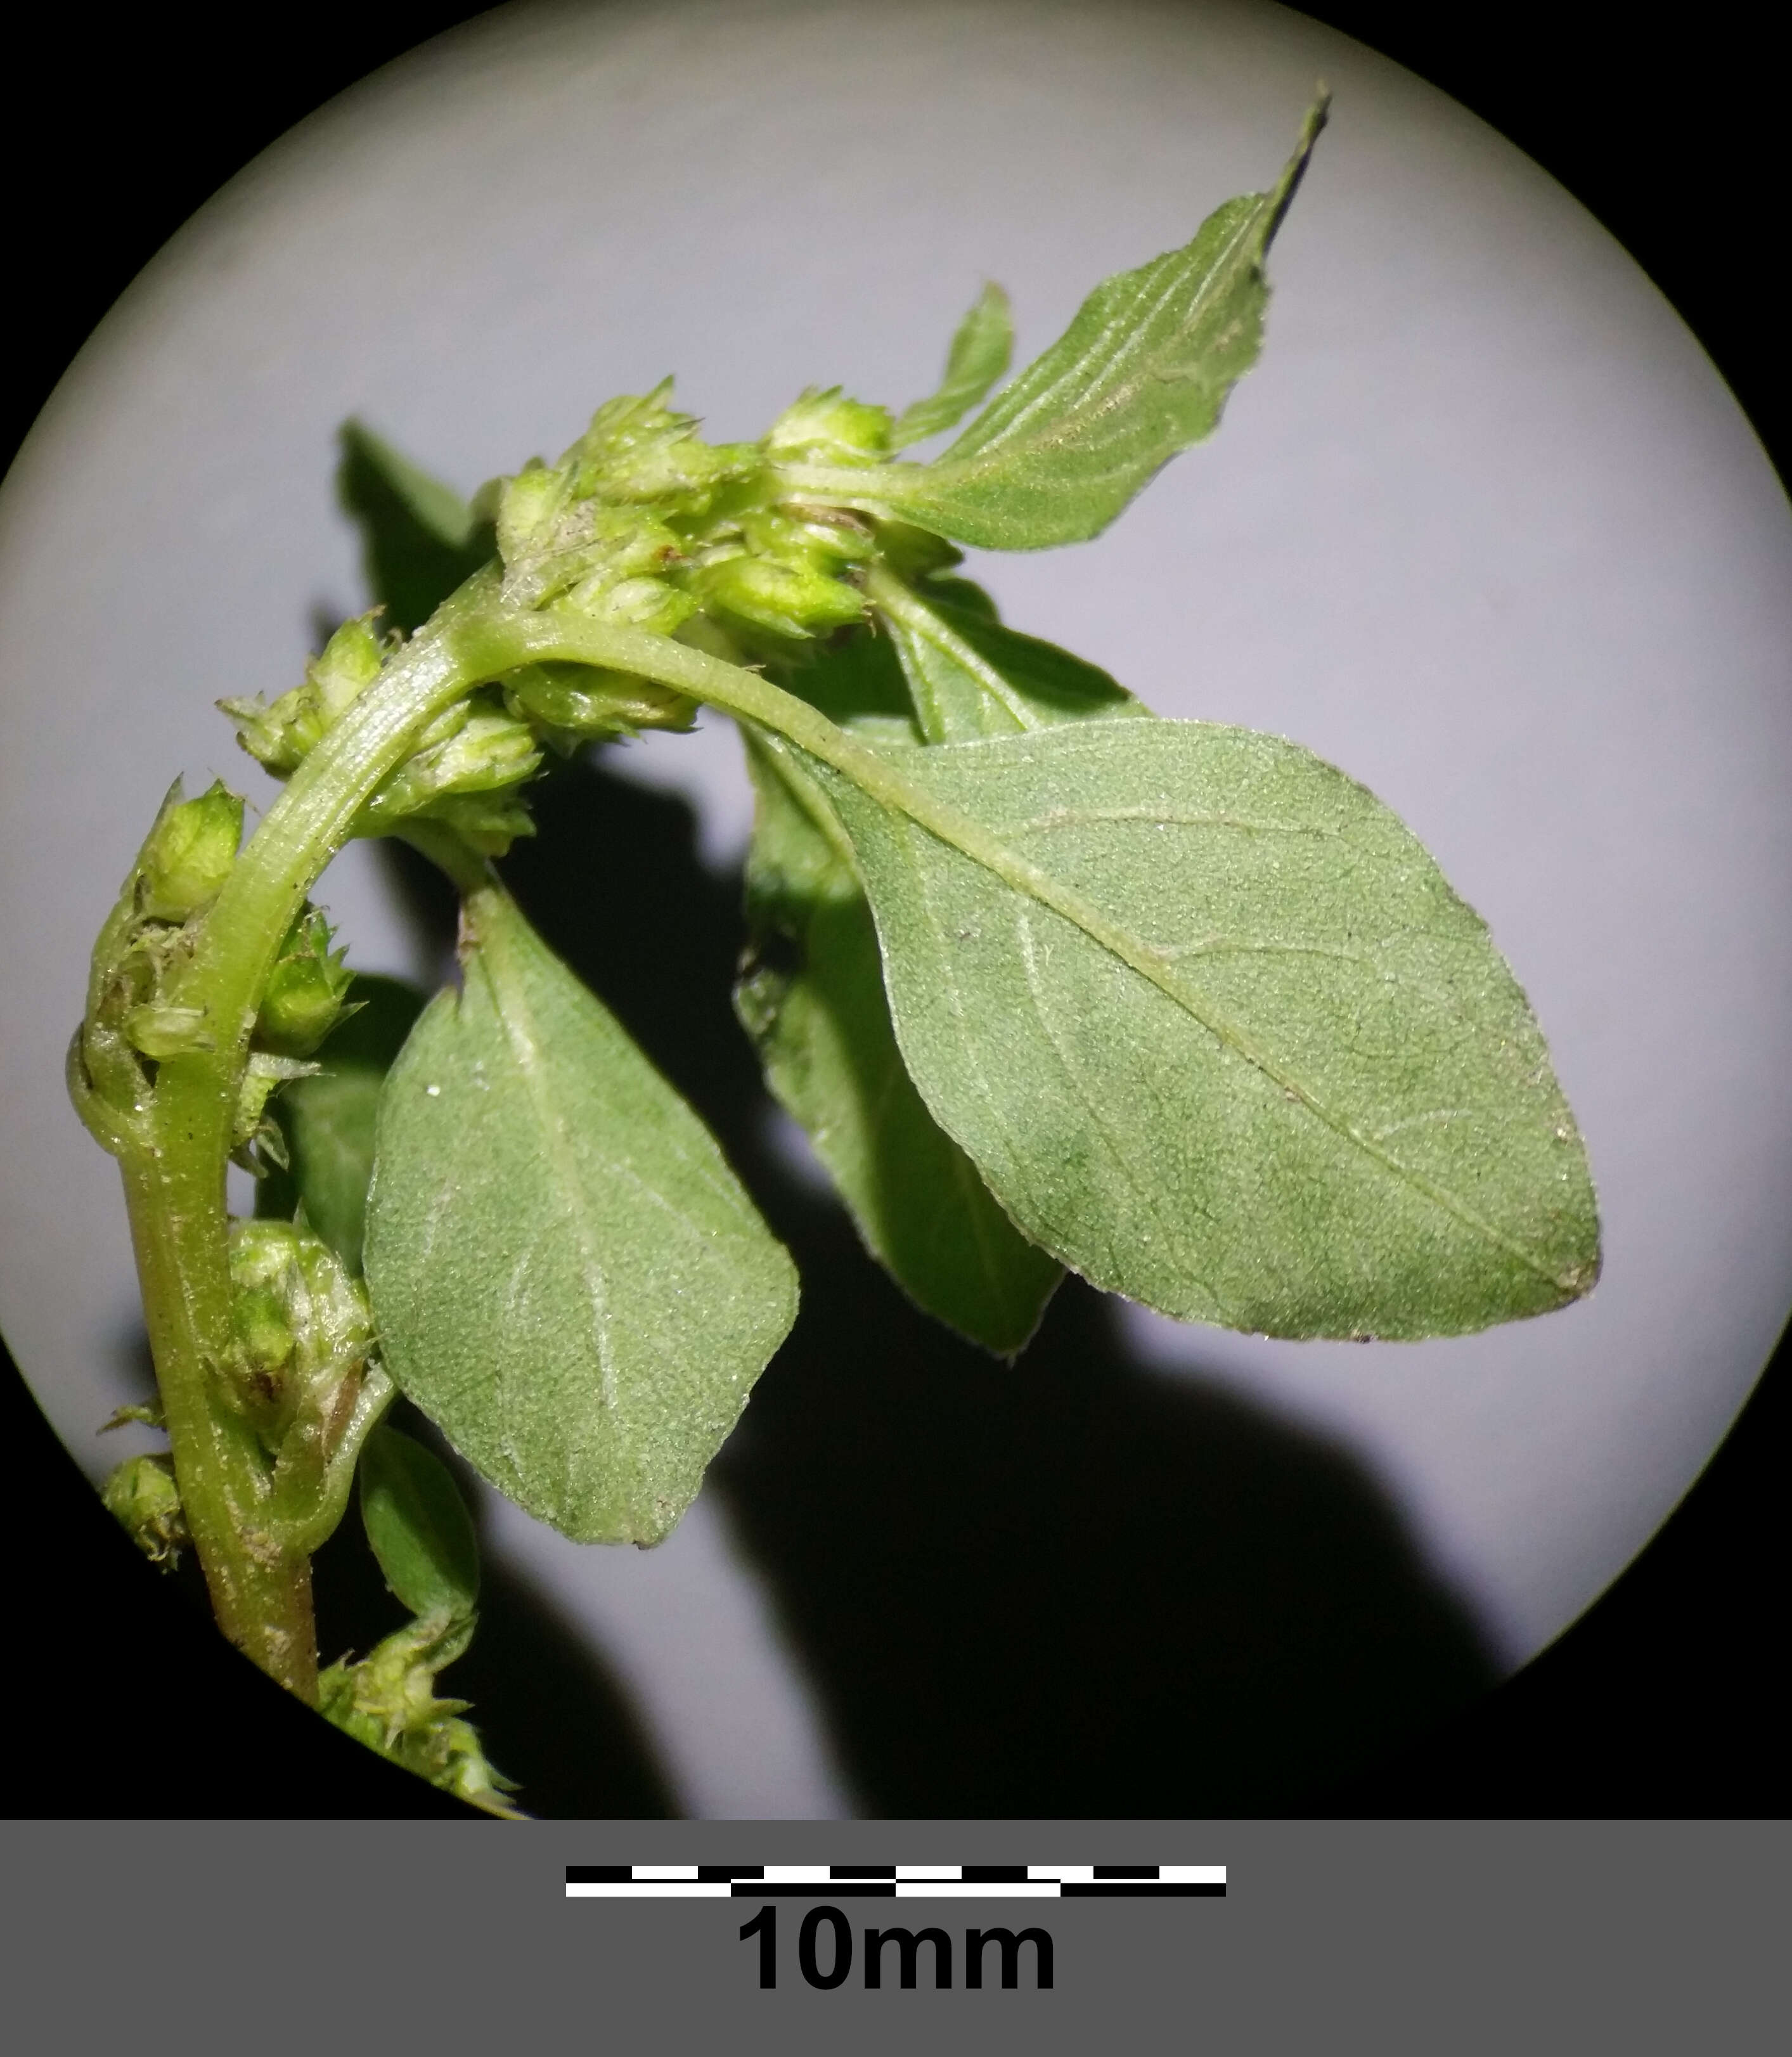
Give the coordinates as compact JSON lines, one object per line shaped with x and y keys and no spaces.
{"x":569,"y":1280}
{"x":1256,"y":1065}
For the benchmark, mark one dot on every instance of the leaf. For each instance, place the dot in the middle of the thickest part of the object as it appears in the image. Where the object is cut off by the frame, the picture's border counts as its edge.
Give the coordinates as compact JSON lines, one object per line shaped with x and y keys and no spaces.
{"x":814,"y":1004}
{"x":1219,"y":1034}
{"x":566,"y":1276}
{"x":418,"y":1526}
{"x":1142,"y":372}
{"x":970,"y":675}
{"x":327,"y":1119}
{"x":419,"y":539}
{"x":981,"y":349}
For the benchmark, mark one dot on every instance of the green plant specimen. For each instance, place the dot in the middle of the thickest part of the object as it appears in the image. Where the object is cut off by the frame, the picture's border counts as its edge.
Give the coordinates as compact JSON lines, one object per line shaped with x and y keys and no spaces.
{"x":1049,"y":982}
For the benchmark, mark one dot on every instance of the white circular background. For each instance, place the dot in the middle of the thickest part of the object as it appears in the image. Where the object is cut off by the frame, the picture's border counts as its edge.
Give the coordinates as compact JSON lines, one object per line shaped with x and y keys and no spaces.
{"x":1484,"y":528}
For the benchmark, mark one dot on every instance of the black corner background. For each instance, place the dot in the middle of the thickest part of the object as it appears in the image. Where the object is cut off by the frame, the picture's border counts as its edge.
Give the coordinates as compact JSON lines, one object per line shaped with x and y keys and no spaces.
{"x":121,"y":1701}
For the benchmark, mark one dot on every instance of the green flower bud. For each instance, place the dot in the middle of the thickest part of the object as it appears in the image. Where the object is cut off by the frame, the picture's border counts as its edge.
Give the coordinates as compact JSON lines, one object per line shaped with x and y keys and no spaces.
{"x":188,"y":856}
{"x":570,"y":703}
{"x":632,"y":603}
{"x":828,"y":428}
{"x":488,"y":822}
{"x":530,"y":511}
{"x":477,"y":746}
{"x":348,"y":663}
{"x":637,"y":450}
{"x":303,"y":1334}
{"x":491,"y":749}
{"x":141,"y":1496}
{"x":553,"y":543}
{"x":792,"y":599}
{"x":262,"y":1333}
{"x":280,"y":737}
{"x":305,"y":990}
{"x":387,"y":1702}
{"x":817,"y":540}
{"x":161,"y":1032}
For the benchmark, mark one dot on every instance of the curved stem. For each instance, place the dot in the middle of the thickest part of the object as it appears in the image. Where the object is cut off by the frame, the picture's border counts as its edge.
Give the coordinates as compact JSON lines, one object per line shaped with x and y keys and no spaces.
{"x":258,"y":1574}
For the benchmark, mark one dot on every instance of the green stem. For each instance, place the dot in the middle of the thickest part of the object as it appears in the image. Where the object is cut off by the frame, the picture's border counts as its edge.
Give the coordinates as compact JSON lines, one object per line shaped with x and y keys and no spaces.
{"x":258,"y":1574}
{"x":496,"y":643}
{"x":260,"y":1594}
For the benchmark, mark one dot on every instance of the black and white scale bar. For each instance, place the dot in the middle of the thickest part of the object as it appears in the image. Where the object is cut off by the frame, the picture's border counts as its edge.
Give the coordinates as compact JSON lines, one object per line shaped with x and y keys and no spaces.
{"x":648,"y":1881}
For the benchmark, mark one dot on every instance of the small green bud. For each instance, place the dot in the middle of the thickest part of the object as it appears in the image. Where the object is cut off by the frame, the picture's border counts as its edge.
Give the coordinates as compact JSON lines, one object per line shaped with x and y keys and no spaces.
{"x":347,"y":664}
{"x":632,"y":603}
{"x":189,"y":855}
{"x":280,"y":737}
{"x":529,"y":511}
{"x":639,"y":451}
{"x":141,"y":1496}
{"x":553,"y":544}
{"x":162,"y":1032}
{"x":817,"y":542}
{"x":387,"y":1702}
{"x":477,"y":746}
{"x":488,"y":822}
{"x":303,"y":1330}
{"x":306,"y":991}
{"x":792,"y":599}
{"x":258,"y":1316}
{"x":828,"y":428}
{"x":572,"y":703}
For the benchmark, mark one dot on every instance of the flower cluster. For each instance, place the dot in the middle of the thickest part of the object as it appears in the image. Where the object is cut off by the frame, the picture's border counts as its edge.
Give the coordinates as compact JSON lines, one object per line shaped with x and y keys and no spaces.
{"x":388,"y":1702}
{"x":640,"y":525}
{"x":136,"y":1017}
{"x":303,"y":1342}
{"x":467,"y":768}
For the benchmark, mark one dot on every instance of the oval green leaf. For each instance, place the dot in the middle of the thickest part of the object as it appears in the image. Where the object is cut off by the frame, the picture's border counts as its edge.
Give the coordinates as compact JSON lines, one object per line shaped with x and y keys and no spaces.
{"x":1219,"y":1034}
{"x":418,"y":1526}
{"x":567,"y":1277}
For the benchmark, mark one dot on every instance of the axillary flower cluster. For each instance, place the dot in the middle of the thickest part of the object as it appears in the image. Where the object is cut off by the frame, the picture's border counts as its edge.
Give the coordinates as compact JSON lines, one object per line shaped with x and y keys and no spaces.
{"x":640,"y":526}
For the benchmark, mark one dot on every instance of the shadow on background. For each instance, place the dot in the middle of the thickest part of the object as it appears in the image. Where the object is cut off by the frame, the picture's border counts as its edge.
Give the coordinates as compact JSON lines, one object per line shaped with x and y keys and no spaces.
{"x":1071,"y":1586}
